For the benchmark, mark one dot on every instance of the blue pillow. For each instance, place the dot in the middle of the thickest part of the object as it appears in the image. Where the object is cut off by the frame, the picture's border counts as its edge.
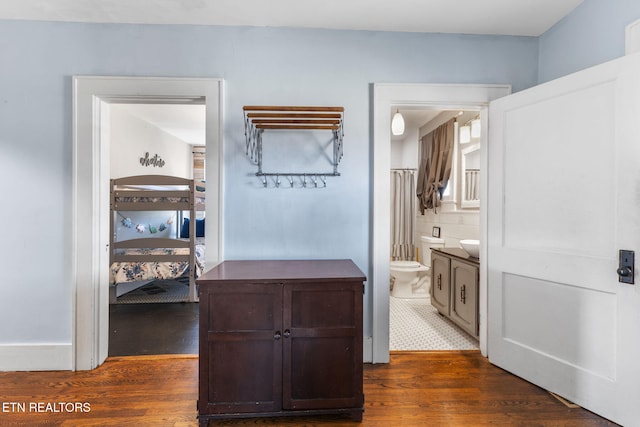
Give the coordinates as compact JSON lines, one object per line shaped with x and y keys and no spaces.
{"x":184,"y":232}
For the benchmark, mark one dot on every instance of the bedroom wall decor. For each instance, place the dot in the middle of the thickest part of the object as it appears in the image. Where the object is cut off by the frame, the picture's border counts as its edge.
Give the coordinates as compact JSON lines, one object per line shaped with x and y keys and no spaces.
{"x":155,"y":161}
{"x":128,"y":223}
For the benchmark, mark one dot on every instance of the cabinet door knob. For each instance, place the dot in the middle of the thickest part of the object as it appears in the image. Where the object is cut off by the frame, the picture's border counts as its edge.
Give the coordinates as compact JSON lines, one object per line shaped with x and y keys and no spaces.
{"x":287,"y":333}
{"x":277,"y":335}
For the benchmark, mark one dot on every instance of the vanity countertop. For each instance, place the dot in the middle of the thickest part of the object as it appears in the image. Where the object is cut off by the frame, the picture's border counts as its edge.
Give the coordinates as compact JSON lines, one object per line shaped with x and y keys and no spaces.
{"x":457,"y":253}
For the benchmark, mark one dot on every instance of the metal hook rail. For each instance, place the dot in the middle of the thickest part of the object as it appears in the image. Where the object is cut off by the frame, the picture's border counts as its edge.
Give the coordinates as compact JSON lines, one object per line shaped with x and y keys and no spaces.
{"x":257,"y":119}
{"x":300,"y":180}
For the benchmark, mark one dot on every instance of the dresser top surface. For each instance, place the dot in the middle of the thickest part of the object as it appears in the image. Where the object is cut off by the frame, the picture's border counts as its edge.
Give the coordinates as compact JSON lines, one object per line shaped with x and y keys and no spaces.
{"x":283,"y":270}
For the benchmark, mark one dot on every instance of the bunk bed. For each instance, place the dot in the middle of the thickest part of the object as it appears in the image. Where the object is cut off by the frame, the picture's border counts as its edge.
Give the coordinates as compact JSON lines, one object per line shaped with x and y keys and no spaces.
{"x":179,"y":253}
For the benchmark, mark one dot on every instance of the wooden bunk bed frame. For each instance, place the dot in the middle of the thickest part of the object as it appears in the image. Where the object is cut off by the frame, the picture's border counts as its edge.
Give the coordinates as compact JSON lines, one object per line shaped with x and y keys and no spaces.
{"x":145,"y":193}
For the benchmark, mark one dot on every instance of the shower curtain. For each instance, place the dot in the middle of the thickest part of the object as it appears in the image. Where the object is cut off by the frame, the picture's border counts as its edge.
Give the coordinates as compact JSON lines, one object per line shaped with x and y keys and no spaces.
{"x":403,"y":212}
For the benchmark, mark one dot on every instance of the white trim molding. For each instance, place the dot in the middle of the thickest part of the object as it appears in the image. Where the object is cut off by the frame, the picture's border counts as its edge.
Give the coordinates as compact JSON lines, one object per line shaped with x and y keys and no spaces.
{"x":91,"y":195}
{"x":36,"y":357}
{"x":632,"y":38}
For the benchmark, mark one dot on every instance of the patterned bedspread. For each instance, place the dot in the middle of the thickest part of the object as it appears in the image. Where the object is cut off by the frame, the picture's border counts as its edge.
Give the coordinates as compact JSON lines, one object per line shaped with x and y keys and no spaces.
{"x":153,"y":199}
{"x":120,"y":272}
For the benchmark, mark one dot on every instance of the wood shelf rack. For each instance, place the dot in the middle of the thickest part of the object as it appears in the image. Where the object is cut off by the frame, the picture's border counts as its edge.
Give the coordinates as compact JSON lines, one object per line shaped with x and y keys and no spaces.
{"x":260,"y":118}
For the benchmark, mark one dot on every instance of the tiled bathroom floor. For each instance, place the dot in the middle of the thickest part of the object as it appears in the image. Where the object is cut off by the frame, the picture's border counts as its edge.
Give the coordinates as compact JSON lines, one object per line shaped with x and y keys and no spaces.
{"x":416,"y":325}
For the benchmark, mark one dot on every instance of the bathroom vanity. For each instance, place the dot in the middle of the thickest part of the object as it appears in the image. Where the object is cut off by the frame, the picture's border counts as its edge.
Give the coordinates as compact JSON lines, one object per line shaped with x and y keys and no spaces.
{"x":455,"y":287}
{"x":280,"y":338}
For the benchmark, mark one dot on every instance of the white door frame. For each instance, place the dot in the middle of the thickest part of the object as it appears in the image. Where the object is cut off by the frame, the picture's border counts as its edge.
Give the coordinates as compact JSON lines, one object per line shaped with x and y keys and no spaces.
{"x":385,"y":97}
{"x":90,"y":193}
{"x":632,"y":38}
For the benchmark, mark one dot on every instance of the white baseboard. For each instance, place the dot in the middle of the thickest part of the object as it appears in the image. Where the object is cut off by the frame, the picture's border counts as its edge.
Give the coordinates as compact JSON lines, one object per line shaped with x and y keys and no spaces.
{"x":367,"y":350}
{"x":36,"y":357}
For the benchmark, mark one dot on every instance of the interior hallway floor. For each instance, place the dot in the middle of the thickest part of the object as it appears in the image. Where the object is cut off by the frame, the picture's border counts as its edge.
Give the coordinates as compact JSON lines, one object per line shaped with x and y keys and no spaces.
{"x":152,"y":329}
{"x":414,"y":324}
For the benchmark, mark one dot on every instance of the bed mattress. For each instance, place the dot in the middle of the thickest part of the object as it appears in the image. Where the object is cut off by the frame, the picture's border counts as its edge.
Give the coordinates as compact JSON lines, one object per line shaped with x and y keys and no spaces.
{"x":121,"y":272}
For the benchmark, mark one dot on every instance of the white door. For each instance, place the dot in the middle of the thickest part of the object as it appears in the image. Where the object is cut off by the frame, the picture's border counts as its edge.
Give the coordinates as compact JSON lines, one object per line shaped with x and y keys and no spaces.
{"x":563,"y":199}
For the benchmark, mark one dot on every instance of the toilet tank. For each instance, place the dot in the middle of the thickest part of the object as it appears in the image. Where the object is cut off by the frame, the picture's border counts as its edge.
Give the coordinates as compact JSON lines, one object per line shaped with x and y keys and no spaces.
{"x":426,"y":243}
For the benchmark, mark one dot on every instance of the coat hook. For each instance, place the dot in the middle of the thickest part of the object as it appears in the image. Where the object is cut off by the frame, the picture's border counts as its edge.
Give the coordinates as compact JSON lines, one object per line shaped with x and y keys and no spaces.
{"x":277,"y":181}
{"x":324,"y":180}
{"x":264,"y":181}
{"x":315,"y":181}
{"x":290,"y":178}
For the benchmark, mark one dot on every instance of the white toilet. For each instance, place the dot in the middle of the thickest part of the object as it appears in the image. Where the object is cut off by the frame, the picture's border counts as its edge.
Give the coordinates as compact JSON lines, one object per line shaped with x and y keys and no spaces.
{"x":410,"y":278}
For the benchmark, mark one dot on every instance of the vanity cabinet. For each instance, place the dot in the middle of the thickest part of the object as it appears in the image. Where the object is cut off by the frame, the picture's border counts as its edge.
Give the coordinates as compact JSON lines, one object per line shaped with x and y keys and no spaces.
{"x":455,"y":287}
{"x":280,"y":338}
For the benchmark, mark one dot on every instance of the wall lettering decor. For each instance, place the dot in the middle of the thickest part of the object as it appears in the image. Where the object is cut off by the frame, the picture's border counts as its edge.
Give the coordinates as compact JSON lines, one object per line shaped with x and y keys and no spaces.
{"x":155,"y":161}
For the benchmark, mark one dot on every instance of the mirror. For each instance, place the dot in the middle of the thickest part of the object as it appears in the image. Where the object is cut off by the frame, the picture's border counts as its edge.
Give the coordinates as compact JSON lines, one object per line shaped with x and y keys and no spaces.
{"x":470,"y":177}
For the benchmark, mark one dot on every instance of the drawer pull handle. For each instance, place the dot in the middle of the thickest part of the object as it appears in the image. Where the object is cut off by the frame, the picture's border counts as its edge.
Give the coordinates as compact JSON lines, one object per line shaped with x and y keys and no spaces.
{"x":277,"y":335}
{"x":439,"y":281}
{"x":463,"y":294}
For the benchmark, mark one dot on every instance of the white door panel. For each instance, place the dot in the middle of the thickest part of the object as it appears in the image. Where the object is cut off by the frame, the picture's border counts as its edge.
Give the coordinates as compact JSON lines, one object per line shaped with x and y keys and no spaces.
{"x":550,"y":151}
{"x":563,"y":198}
{"x":554,"y":331}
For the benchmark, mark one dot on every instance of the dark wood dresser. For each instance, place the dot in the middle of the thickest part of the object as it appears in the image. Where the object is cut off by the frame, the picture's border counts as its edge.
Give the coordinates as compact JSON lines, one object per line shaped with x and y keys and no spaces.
{"x":280,"y":338}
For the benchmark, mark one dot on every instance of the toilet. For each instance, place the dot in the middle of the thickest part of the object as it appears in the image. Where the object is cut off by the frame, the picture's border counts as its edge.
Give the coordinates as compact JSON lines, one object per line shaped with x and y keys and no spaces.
{"x":411,"y":278}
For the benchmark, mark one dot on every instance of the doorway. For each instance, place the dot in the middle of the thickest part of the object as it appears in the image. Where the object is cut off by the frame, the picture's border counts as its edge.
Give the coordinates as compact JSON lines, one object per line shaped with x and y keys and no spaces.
{"x":91,"y":194}
{"x":385,"y":97}
{"x":152,"y":314}
{"x":415,"y":323}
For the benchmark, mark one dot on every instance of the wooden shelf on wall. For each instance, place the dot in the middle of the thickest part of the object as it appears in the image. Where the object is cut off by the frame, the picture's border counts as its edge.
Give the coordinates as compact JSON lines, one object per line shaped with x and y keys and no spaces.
{"x":260,"y":118}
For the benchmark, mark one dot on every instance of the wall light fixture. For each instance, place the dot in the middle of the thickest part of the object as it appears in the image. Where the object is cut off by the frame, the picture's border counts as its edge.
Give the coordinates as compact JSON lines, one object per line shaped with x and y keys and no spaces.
{"x":465,"y":134}
{"x":397,"y":124}
{"x":475,"y":128}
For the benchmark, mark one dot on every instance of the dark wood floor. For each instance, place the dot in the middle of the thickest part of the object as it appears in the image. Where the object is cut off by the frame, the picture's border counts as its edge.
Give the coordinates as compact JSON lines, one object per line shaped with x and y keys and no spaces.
{"x":415,"y":389}
{"x":147,"y":329}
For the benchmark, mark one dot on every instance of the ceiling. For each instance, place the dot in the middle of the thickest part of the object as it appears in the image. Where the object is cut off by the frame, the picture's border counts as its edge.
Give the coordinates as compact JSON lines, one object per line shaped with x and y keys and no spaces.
{"x":504,"y":17}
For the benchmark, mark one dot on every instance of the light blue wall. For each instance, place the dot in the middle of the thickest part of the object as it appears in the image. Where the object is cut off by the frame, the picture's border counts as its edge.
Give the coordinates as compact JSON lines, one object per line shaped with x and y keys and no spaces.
{"x":259,"y":66}
{"x":592,"y":34}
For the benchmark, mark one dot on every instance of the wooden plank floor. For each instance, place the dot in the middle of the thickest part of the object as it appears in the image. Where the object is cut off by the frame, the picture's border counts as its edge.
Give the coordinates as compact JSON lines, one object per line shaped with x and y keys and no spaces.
{"x":415,"y":389}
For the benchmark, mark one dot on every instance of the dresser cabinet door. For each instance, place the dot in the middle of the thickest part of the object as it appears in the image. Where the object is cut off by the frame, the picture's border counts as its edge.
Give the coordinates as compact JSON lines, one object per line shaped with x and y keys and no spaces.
{"x":464,"y":296}
{"x":322,"y":345}
{"x":241,"y":359}
{"x":440,"y":285}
